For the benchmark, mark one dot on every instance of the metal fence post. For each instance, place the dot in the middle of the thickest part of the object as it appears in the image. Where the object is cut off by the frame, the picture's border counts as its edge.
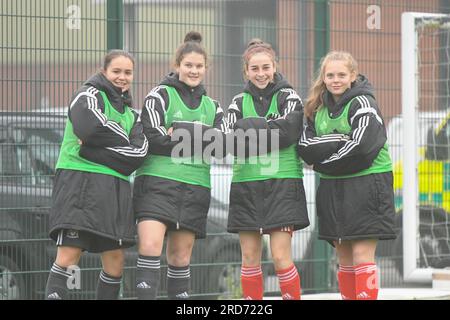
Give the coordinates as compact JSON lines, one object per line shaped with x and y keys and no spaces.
{"x":321,"y":250}
{"x":114,"y":24}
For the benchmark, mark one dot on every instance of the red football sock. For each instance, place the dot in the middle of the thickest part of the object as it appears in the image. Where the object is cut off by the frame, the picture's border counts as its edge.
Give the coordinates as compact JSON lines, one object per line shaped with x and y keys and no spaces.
{"x":346,"y":280}
{"x":289,"y":283}
{"x":252,"y":282}
{"x":366,"y":281}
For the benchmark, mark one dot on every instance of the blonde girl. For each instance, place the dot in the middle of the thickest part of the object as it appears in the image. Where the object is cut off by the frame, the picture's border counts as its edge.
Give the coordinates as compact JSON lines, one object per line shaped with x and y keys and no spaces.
{"x":344,"y":138}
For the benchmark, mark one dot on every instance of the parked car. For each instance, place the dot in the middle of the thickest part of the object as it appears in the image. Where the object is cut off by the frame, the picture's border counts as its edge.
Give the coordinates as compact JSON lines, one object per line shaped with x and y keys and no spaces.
{"x":29,"y":148}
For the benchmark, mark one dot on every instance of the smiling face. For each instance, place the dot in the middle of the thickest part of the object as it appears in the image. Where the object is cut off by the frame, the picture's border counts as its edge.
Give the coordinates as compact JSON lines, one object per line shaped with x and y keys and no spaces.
{"x":120,"y":72}
{"x":338,"y":78}
{"x":260,"y":70}
{"x":192,"y":69}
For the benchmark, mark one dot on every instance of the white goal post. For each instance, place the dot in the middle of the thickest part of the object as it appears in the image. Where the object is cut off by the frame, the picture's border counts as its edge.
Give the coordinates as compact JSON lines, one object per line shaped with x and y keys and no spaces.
{"x":412,"y":271}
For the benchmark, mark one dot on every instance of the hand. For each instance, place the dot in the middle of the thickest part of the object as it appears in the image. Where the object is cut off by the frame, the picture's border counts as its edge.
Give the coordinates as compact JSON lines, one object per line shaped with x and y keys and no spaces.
{"x":80,"y":142}
{"x":169,"y":131}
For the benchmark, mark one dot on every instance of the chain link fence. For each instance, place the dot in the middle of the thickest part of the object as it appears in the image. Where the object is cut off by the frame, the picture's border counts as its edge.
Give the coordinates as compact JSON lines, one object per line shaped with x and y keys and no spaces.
{"x":49,"y":47}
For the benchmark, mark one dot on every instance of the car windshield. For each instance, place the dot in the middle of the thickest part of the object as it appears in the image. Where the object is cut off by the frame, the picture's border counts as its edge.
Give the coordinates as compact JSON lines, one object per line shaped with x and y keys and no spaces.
{"x":44,"y":146}
{"x":29,"y":155}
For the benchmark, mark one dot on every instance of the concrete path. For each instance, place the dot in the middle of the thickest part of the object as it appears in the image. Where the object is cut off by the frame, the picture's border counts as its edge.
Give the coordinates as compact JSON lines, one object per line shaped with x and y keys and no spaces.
{"x":391,"y":294}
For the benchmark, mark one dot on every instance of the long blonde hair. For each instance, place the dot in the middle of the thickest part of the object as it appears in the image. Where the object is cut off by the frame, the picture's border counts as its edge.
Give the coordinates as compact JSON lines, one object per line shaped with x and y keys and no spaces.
{"x":314,"y":100}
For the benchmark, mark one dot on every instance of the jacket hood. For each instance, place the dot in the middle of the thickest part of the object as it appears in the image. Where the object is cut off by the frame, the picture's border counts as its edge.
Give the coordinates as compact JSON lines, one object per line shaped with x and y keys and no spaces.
{"x":279,"y":82}
{"x":361,"y":86}
{"x":115,"y":94}
{"x":173,"y":80}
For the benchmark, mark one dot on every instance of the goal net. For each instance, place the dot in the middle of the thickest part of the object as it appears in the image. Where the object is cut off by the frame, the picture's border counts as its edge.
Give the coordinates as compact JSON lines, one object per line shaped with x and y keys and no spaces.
{"x":424,"y":152}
